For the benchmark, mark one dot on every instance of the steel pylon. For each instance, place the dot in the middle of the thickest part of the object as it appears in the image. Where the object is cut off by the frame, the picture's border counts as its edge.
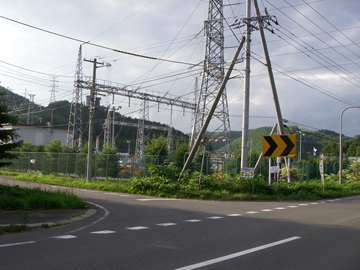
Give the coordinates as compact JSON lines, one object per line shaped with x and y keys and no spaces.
{"x":212,"y":76}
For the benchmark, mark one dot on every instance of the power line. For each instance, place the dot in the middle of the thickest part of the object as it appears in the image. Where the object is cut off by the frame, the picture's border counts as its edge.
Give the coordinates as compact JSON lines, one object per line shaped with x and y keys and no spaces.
{"x":31,"y":70}
{"x":93,"y":44}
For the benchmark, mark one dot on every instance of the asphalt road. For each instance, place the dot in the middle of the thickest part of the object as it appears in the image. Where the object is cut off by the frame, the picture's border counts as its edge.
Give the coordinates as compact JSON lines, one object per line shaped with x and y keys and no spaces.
{"x":139,"y":232}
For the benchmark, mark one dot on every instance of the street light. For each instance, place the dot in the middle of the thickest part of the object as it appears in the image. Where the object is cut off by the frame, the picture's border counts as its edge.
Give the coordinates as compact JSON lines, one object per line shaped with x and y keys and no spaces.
{"x":340,"y":150}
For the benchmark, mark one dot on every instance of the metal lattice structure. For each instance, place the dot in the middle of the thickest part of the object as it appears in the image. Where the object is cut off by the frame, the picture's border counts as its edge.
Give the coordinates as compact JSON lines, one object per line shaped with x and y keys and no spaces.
{"x":141,"y":136}
{"x":53,"y":90}
{"x":75,"y":121}
{"x":107,"y":129}
{"x":213,"y":75}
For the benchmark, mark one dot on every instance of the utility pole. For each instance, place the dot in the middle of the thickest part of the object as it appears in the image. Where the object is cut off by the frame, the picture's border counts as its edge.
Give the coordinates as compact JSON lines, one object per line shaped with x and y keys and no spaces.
{"x":270,"y":73}
{"x":246,"y":100}
{"x":91,"y":115}
{"x":301,"y":135}
{"x":269,"y":68}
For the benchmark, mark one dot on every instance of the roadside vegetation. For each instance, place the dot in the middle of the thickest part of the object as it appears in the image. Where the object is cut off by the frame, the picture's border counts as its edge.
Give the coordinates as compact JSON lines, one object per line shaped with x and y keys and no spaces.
{"x":15,"y":198}
{"x":24,"y":200}
{"x":165,"y":181}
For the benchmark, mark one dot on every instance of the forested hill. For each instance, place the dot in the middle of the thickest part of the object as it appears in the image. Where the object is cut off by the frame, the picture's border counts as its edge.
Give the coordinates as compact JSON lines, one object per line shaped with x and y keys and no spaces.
{"x":57,"y":114}
{"x":320,"y":140}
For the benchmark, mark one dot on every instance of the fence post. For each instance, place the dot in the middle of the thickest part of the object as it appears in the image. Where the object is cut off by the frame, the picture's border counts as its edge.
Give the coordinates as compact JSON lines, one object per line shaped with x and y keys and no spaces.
{"x":50,"y":162}
{"x":107,"y":164}
{"x":42,"y":165}
{"x":59,"y":155}
{"x":96,"y":157}
{"x":67,"y":163}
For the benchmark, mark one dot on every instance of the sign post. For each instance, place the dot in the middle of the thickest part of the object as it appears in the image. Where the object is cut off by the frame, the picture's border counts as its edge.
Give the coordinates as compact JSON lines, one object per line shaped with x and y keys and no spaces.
{"x":321,"y":167}
{"x":279,"y":146}
{"x":247,"y":172}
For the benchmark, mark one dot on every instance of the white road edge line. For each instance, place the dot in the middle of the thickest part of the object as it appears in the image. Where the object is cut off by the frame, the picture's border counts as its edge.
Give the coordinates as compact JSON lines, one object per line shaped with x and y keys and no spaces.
{"x":159,"y":199}
{"x":16,"y":244}
{"x":97,"y":221}
{"x":238,"y":254}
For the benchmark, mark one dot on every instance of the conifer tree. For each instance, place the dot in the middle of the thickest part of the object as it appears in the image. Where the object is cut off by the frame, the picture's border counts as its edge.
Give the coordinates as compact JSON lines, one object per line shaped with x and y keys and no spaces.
{"x":7,"y":132}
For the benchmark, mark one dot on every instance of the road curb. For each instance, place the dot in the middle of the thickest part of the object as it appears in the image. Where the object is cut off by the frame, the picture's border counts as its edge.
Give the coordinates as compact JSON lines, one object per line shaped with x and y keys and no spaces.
{"x":88,"y":213}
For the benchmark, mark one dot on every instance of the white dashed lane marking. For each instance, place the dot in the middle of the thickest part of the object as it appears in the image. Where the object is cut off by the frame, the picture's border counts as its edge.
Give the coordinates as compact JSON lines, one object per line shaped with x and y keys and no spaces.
{"x":166,"y":224}
{"x":103,"y":232}
{"x":17,"y":244}
{"x":137,"y":228}
{"x":65,"y":237}
{"x":117,"y":194}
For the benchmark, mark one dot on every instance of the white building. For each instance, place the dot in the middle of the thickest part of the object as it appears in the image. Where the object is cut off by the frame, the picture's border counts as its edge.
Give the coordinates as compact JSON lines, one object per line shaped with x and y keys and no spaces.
{"x":40,"y":135}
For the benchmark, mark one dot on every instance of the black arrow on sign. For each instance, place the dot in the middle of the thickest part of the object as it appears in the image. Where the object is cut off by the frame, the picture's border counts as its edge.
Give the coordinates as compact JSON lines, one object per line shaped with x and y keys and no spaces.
{"x":289,"y":145}
{"x":272,"y":147}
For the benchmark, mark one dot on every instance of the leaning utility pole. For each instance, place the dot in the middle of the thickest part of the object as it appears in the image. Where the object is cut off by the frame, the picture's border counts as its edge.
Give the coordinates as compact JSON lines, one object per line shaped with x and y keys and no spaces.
{"x":279,"y":118}
{"x":249,"y":27}
{"x":269,"y":69}
{"x":213,"y":107}
{"x":91,"y":116}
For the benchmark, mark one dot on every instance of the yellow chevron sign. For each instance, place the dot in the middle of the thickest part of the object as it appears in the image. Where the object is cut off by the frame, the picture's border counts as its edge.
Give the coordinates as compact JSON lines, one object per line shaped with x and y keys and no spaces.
{"x":279,"y":146}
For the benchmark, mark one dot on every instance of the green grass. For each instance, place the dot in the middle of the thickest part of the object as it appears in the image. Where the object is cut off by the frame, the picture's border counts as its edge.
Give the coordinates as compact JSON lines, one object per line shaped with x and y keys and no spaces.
{"x":12,"y":228}
{"x":211,"y":188}
{"x":14,"y":198}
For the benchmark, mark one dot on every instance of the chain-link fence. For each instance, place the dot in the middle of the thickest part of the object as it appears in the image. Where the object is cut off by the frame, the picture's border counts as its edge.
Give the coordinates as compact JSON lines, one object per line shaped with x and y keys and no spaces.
{"x":126,"y":166}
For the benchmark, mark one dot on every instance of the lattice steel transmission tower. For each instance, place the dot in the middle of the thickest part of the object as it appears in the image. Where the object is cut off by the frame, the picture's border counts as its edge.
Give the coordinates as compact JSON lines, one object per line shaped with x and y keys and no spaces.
{"x":31,"y":103}
{"x":75,"y":121}
{"x":53,"y":90}
{"x":141,"y":136}
{"x":107,"y":129}
{"x":212,"y":77}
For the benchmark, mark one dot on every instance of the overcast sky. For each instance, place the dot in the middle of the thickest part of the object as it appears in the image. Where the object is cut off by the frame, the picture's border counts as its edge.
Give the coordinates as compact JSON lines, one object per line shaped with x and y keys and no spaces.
{"x":315,"y":53}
